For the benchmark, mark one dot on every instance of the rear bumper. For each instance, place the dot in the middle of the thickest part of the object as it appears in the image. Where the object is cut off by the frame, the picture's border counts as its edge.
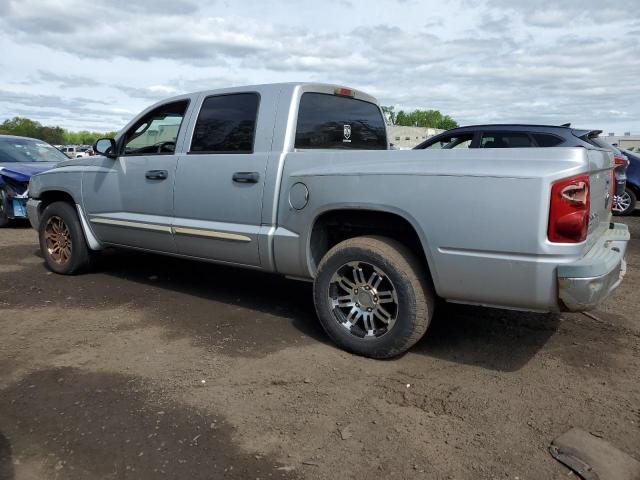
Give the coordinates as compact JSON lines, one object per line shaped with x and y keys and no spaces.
{"x":583,"y":284}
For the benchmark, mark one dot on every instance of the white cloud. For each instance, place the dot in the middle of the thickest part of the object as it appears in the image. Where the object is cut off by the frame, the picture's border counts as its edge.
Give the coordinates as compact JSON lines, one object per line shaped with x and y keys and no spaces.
{"x":479,"y":61}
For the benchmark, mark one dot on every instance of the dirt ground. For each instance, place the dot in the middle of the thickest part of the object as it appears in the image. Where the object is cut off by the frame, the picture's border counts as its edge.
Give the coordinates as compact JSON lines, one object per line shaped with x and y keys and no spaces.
{"x":152,"y":367}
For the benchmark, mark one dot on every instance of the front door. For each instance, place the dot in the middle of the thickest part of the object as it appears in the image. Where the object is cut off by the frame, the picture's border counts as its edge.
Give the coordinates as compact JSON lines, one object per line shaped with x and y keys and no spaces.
{"x":129,"y":200}
{"x":220,"y":183}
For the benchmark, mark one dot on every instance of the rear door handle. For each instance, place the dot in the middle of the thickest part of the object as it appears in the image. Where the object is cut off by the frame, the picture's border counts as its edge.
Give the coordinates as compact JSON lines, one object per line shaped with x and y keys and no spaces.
{"x":157,"y":174}
{"x":246,"y":177}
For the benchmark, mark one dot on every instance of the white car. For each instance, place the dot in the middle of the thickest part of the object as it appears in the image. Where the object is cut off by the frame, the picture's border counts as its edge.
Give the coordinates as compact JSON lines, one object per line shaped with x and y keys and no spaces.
{"x":72,"y":151}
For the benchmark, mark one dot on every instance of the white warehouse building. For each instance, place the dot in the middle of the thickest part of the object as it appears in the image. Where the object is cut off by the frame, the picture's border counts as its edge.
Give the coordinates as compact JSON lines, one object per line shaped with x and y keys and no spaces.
{"x":405,"y":138}
{"x":626,"y":141}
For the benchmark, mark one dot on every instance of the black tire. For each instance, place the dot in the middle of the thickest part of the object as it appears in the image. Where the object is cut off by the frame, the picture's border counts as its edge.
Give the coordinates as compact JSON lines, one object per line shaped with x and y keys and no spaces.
{"x":79,"y":258}
{"x":414,"y":305}
{"x":631,"y":198}
{"x":4,"y":208}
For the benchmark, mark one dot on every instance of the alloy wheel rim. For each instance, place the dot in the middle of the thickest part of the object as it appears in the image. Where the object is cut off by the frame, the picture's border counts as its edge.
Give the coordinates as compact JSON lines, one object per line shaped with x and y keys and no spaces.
{"x":621,"y":202}
{"x":58,"y":239}
{"x":363,"y":299}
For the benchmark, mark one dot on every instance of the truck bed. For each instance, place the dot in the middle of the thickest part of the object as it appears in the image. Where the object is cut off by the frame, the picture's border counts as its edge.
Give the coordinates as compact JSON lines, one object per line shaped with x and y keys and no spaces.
{"x":482,"y":215}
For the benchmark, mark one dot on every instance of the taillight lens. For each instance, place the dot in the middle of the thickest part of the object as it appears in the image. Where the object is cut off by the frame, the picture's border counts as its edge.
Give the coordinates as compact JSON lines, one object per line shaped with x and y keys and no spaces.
{"x":621,"y":161}
{"x":569,"y":210}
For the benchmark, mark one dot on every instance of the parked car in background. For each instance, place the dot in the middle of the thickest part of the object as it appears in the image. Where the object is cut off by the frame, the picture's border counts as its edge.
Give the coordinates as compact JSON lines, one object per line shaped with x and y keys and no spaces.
{"x":527,"y":136}
{"x":20,"y":158}
{"x":510,"y":136}
{"x":73,"y":151}
{"x":621,"y":199}
{"x":626,"y":203}
{"x":316,"y":194}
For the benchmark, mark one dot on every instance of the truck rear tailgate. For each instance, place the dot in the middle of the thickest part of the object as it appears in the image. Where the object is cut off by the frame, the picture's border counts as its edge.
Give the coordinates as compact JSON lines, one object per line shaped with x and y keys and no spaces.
{"x":601,"y":185}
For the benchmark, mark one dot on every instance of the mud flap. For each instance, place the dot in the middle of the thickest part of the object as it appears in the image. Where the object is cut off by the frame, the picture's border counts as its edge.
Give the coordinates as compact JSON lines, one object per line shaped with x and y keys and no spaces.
{"x":592,"y":458}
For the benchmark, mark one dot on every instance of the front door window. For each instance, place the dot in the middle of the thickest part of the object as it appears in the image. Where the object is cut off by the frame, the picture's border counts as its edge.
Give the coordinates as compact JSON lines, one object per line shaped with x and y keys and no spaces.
{"x":156,"y":132}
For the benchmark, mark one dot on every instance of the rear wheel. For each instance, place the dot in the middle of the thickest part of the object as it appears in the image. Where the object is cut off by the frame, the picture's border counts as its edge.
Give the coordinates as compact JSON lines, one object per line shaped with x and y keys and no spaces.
{"x":373,"y":296}
{"x":624,"y":204}
{"x":4,"y":208}
{"x":62,"y":241}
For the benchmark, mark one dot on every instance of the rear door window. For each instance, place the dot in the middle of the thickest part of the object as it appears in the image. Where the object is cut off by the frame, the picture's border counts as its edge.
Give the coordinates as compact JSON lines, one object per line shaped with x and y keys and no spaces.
{"x":330,"y":121}
{"x":453,"y":141}
{"x":506,"y":140}
{"x":226,"y":124}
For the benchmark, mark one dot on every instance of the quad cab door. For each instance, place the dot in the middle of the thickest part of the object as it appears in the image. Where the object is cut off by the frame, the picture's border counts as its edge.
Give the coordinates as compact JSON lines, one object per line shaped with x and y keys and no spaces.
{"x":129,"y":200}
{"x":220,"y":180}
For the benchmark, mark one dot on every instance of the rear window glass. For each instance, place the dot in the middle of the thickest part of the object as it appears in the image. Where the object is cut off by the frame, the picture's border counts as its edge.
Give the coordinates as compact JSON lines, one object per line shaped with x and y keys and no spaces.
{"x":598,"y":142}
{"x":226,"y":124}
{"x":547,"y":140}
{"x":331,"y":121}
{"x":505,"y":140}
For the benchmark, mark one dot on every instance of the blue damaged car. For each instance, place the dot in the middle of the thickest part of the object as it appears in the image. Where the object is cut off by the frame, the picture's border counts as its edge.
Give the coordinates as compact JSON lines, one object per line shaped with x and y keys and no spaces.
{"x":20,"y":158}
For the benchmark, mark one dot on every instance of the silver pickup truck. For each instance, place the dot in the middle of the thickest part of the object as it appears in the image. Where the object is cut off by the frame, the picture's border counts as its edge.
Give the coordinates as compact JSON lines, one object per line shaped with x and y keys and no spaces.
{"x":298,"y":179}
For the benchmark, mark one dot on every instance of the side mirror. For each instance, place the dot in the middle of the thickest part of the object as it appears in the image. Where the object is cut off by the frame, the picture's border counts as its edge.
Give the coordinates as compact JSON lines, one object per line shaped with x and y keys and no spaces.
{"x":106,"y":147}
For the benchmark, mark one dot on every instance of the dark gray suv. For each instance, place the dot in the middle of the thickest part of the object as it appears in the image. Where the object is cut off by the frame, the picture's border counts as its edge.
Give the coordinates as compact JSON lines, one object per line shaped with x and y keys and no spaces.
{"x":525,"y":136}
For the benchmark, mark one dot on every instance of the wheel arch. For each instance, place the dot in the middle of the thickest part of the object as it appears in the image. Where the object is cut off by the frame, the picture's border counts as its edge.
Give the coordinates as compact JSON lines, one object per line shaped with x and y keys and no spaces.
{"x":47,"y":197}
{"x":336,"y":223}
{"x":634,"y":188}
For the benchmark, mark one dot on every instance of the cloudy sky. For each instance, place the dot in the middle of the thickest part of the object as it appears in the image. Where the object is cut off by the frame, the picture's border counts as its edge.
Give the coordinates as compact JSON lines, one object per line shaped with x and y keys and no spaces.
{"x":93,"y":64}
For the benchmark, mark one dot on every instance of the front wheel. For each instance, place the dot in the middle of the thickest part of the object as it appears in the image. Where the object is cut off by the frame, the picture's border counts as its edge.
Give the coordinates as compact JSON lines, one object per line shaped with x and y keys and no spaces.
{"x":373,"y":296}
{"x":624,"y":204}
{"x":62,"y":241}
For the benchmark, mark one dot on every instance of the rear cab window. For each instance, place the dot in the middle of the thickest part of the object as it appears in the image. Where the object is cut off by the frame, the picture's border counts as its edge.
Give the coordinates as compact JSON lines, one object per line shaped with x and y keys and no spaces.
{"x":339,"y":122}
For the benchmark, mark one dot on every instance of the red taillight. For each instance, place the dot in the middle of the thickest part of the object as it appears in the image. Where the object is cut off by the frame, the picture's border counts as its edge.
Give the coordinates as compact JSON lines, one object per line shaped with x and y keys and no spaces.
{"x":569,"y":210}
{"x":620,"y":161}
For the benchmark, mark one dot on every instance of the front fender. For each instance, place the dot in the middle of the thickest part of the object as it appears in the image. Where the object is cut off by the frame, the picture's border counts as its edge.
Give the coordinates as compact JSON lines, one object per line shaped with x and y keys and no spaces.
{"x":69,"y":183}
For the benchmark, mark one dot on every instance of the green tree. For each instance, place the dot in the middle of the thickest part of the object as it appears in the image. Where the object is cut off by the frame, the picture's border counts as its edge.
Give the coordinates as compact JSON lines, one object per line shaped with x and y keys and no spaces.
{"x":402,"y":119}
{"x":447,"y":123}
{"x":25,"y":127}
{"x":21,"y":126}
{"x":85,"y":137}
{"x":425,"y":118}
{"x":52,"y":135}
{"x":389,"y":114}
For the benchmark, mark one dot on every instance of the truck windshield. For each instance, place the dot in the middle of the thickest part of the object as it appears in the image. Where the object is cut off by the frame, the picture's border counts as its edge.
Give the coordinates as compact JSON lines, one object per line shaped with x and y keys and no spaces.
{"x":331,"y":121}
{"x":28,"y":150}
